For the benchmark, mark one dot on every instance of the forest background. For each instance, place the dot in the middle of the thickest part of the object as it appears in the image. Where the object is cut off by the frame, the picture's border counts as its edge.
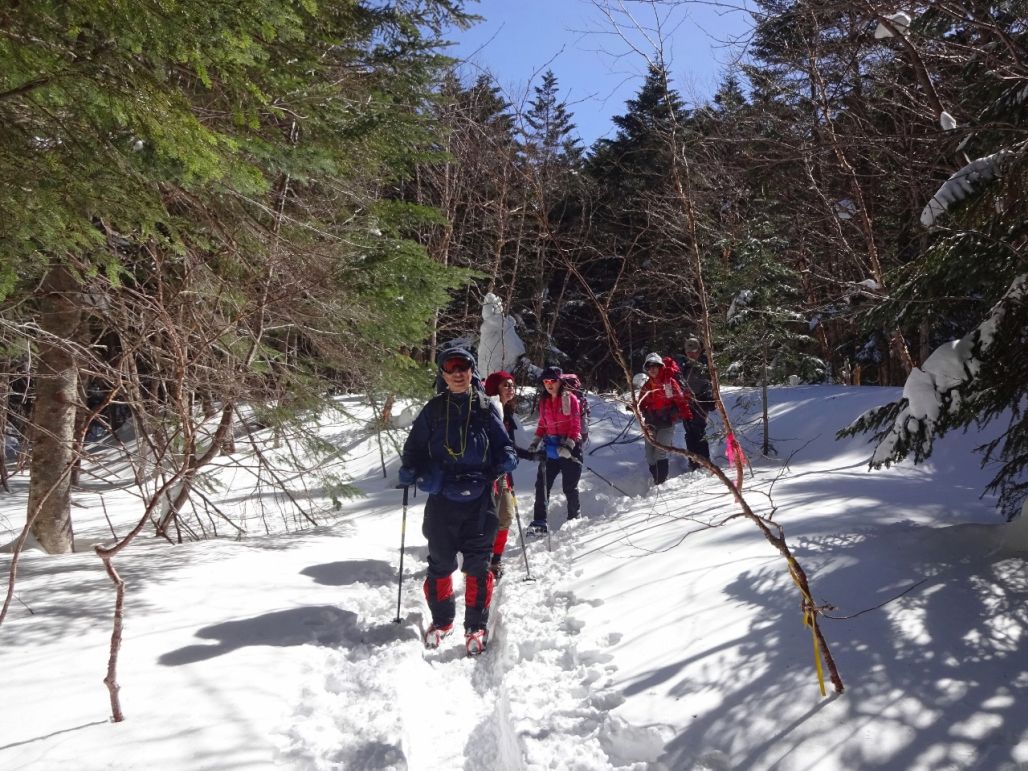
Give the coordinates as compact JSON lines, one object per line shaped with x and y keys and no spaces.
{"x":212,"y":219}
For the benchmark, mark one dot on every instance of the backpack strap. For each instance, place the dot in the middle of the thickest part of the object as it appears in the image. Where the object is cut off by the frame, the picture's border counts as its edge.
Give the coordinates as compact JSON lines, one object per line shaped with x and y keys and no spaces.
{"x":436,"y":405}
{"x":480,"y":406}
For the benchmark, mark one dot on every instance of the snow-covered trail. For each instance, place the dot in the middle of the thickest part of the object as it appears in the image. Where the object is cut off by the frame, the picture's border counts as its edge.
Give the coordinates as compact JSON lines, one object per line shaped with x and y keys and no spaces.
{"x":650,"y":639}
{"x":542,"y":692}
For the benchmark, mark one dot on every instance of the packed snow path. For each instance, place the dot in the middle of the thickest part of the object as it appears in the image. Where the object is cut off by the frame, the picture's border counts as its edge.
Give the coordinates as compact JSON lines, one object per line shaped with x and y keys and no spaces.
{"x":278,"y":651}
{"x":540,"y":694}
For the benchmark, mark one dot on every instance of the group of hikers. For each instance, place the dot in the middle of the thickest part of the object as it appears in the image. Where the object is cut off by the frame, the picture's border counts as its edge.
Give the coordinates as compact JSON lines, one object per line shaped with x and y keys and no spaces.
{"x":461,"y":452}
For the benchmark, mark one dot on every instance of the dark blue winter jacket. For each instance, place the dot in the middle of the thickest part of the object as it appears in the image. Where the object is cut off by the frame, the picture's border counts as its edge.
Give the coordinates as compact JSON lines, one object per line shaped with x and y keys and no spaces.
{"x":459,"y":435}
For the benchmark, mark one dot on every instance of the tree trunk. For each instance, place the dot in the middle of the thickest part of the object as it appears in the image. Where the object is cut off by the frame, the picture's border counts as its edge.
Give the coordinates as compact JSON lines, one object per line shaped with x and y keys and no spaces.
{"x":5,"y":401}
{"x":766,"y":446}
{"x":53,"y":424}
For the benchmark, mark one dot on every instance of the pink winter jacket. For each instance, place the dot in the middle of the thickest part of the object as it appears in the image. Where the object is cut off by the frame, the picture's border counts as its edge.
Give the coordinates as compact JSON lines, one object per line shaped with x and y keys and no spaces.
{"x":560,"y":416}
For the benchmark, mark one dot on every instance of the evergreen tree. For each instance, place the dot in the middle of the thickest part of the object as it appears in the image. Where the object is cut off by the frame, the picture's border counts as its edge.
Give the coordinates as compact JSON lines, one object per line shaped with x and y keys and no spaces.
{"x":551,"y":163}
{"x":840,"y":161}
{"x":549,"y":139}
{"x":206,"y":180}
{"x":637,"y":158}
{"x":970,"y":279}
{"x":637,"y":231}
{"x":763,"y":338}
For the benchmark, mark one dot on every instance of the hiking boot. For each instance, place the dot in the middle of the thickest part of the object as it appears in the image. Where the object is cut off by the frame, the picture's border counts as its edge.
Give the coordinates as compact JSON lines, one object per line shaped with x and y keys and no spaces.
{"x":496,"y":568}
{"x":475,"y":641}
{"x":537,"y":527}
{"x":434,"y":635}
{"x":663,"y":469}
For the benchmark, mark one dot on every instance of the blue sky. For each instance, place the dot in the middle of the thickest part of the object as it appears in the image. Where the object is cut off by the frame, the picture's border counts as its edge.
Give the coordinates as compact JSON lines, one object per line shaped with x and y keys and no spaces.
{"x":596,"y":68}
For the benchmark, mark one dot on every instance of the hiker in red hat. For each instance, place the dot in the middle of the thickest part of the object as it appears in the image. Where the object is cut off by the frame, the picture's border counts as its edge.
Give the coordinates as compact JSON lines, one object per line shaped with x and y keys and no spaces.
{"x":500,"y":385}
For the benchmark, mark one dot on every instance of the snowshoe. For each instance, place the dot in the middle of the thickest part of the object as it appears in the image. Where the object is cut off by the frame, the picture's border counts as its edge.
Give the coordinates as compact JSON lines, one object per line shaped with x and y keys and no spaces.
{"x":434,"y":635}
{"x":537,"y":527}
{"x":475,"y":641}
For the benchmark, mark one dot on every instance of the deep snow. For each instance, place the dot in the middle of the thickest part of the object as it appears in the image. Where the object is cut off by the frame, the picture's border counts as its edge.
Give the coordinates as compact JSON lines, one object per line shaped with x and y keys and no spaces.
{"x":660,"y":632}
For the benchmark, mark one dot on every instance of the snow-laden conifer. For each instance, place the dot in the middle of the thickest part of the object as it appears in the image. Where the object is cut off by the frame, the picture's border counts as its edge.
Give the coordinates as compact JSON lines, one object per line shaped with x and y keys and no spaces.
{"x":962,"y":184}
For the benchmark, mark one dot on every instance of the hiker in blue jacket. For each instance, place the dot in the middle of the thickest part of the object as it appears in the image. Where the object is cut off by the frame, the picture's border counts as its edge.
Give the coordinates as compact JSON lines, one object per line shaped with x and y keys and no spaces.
{"x":456,"y":450}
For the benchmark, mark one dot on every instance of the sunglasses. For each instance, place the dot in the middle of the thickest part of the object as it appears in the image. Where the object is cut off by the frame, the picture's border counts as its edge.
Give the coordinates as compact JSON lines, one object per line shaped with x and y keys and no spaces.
{"x":549,"y":380}
{"x":453,"y":366}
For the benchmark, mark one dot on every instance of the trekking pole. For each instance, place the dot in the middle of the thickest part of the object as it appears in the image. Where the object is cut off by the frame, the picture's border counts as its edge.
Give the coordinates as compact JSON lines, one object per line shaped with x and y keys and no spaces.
{"x":403,"y":537}
{"x":542,"y":467}
{"x":521,"y":535}
{"x":597,"y":473}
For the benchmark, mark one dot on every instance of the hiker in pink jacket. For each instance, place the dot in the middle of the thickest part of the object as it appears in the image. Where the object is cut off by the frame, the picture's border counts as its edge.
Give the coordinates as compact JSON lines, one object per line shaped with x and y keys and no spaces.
{"x":560,"y":434}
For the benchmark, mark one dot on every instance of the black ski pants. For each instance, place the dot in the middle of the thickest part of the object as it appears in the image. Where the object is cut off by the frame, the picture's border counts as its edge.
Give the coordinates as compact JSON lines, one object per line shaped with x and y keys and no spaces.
{"x":570,"y":470}
{"x":695,"y":441}
{"x":468,"y":527}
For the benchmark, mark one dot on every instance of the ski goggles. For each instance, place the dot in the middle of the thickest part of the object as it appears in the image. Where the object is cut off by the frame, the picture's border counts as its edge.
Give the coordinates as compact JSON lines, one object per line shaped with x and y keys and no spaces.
{"x":455,"y":365}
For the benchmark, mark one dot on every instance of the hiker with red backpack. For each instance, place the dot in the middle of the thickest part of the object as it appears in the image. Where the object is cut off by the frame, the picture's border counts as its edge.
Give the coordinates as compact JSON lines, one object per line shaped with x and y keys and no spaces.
{"x":500,"y":384}
{"x":662,"y":403}
{"x":559,"y":432}
{"x":456,"y":450}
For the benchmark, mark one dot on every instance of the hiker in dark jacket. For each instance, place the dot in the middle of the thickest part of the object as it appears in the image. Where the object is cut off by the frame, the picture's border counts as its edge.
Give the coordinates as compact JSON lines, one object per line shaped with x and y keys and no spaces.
{"x":456,"y":450}
{"x":695,"y":378}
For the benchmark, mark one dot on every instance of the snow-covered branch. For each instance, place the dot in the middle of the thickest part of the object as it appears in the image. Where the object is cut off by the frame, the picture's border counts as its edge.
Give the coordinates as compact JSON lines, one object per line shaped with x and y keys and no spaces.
{"x":964,"y":183}
{"x":934,"y":391}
